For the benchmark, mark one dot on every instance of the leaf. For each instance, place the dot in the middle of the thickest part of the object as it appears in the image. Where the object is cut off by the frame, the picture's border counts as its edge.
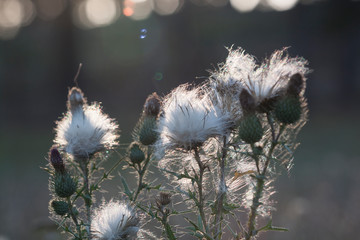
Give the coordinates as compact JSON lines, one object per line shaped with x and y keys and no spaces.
{"x":238,"y":174}
{"x":126,"y":188}
{"x":169,"y":233}
{"x":270,"y":227}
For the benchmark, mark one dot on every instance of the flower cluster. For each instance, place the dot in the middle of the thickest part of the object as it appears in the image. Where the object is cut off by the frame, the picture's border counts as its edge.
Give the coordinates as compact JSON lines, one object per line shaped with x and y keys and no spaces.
{"x":220,"y":143}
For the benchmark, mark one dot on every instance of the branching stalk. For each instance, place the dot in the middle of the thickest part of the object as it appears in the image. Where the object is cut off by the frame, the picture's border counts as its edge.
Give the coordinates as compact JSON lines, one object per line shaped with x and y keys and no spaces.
{"x":260,"y":179}
{"x":221,"y":193}
{"x":73,"y":217}
{"x":141,"y":173}
{"x":199,"y":183}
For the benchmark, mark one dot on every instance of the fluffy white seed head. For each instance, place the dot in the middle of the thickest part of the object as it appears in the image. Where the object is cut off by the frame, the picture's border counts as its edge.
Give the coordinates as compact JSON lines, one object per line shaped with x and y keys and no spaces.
{"x":268,"y":80}
{"x":189,"y":118}
{"x":85,"y":130}
{"x":273,"y":76}
{"x":114,"y":221}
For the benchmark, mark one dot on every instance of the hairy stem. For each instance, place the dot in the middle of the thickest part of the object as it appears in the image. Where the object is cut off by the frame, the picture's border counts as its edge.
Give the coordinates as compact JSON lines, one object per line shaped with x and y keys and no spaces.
{"x":87,"y":194}
{"x":260,"y":179}
{"x":221,"y":193}
{"x":73,"y":217}
{"x":253,"y":210}
{"x":141,"y":173}
{"x":199,"y":183}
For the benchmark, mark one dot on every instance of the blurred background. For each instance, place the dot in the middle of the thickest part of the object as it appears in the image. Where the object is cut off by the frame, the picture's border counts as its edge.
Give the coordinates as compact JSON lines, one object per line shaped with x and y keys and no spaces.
{"x":131,"y":48}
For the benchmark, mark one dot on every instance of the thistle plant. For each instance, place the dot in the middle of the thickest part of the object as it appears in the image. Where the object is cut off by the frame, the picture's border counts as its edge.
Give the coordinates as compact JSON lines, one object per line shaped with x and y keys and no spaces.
{"x":221,"y":144}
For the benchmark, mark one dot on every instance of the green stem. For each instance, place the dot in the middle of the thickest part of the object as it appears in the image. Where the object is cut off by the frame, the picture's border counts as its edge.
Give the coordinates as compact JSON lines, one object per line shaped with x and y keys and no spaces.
{"x":141,"y":173}
{"x":73,"y":217}
{"x":221,"y":193}
{"x":84,"y":165}
{"x":260,"y":179}
{"x":199,"y":183}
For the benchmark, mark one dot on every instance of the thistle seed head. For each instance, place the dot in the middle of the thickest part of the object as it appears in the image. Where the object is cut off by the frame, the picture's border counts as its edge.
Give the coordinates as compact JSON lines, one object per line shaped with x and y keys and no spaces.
{"x":114,"y":221}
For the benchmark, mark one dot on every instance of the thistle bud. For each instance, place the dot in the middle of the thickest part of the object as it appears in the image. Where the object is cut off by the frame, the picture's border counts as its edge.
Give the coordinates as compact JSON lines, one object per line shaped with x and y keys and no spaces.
{"x":247,"y":101}
{"x":136,"y":154}
{"x":147,"y":132}
{"x":75,"y":99}
{"x":152,"y":105}
{"x":56,"y":161}
{"x":163,"y":199}
{"x":60,"y":207}
{"x":250,"y":129}
{"x":295,"y":85}
{"x":288,"y":109}
{"x":64,"y":185}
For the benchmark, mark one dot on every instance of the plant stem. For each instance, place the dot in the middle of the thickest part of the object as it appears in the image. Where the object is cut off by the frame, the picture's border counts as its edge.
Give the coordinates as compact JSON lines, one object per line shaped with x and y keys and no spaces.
{"x":221,"y":193}
{"x":255,"y":204}
{"x":199,"y":183}
{"x":87,"y":194}
{"x":141,"y":173}
{"x":73,"y":217}
{"x":260,"y":179}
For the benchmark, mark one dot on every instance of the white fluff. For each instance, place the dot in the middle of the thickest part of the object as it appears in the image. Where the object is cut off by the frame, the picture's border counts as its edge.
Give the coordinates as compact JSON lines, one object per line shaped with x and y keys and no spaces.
{"x":114,"y":221}
{"x":240,"y":70}
{"x":85,"y":130}
{"x":189,"y":118}
{"x":273,"y":75}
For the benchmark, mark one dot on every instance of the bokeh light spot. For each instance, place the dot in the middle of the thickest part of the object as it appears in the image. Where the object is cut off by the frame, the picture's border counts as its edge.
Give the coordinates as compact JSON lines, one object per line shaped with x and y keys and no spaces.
{"x":166,"y":7}
{"x":143,"y":33}
{"x":282,"y":5}
{"x":141,"y":8}
{"x":101,"y":12}
{"x":128,"y":11}
{"x":158,"y":76}
{"x":244,"y":5}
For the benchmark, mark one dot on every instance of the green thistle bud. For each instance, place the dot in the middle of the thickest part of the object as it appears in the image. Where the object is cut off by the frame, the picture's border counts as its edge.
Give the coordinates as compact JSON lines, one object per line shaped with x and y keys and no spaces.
{"x":288,"y":109}
{"x":60,"y":207}
{"x":147,"y":132}
{"x":136,"y":154}
{"x":250,"y":129}
{"x":64,"y":185}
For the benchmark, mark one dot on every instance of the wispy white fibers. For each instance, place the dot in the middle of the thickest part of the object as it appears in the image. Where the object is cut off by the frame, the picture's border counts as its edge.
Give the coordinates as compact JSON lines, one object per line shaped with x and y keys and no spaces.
{"x":114,"y":221}
{"x":189,"y":118}
{"x":240,"y":70}
{"x":227,"y":82}
{"x":85,"y":129}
